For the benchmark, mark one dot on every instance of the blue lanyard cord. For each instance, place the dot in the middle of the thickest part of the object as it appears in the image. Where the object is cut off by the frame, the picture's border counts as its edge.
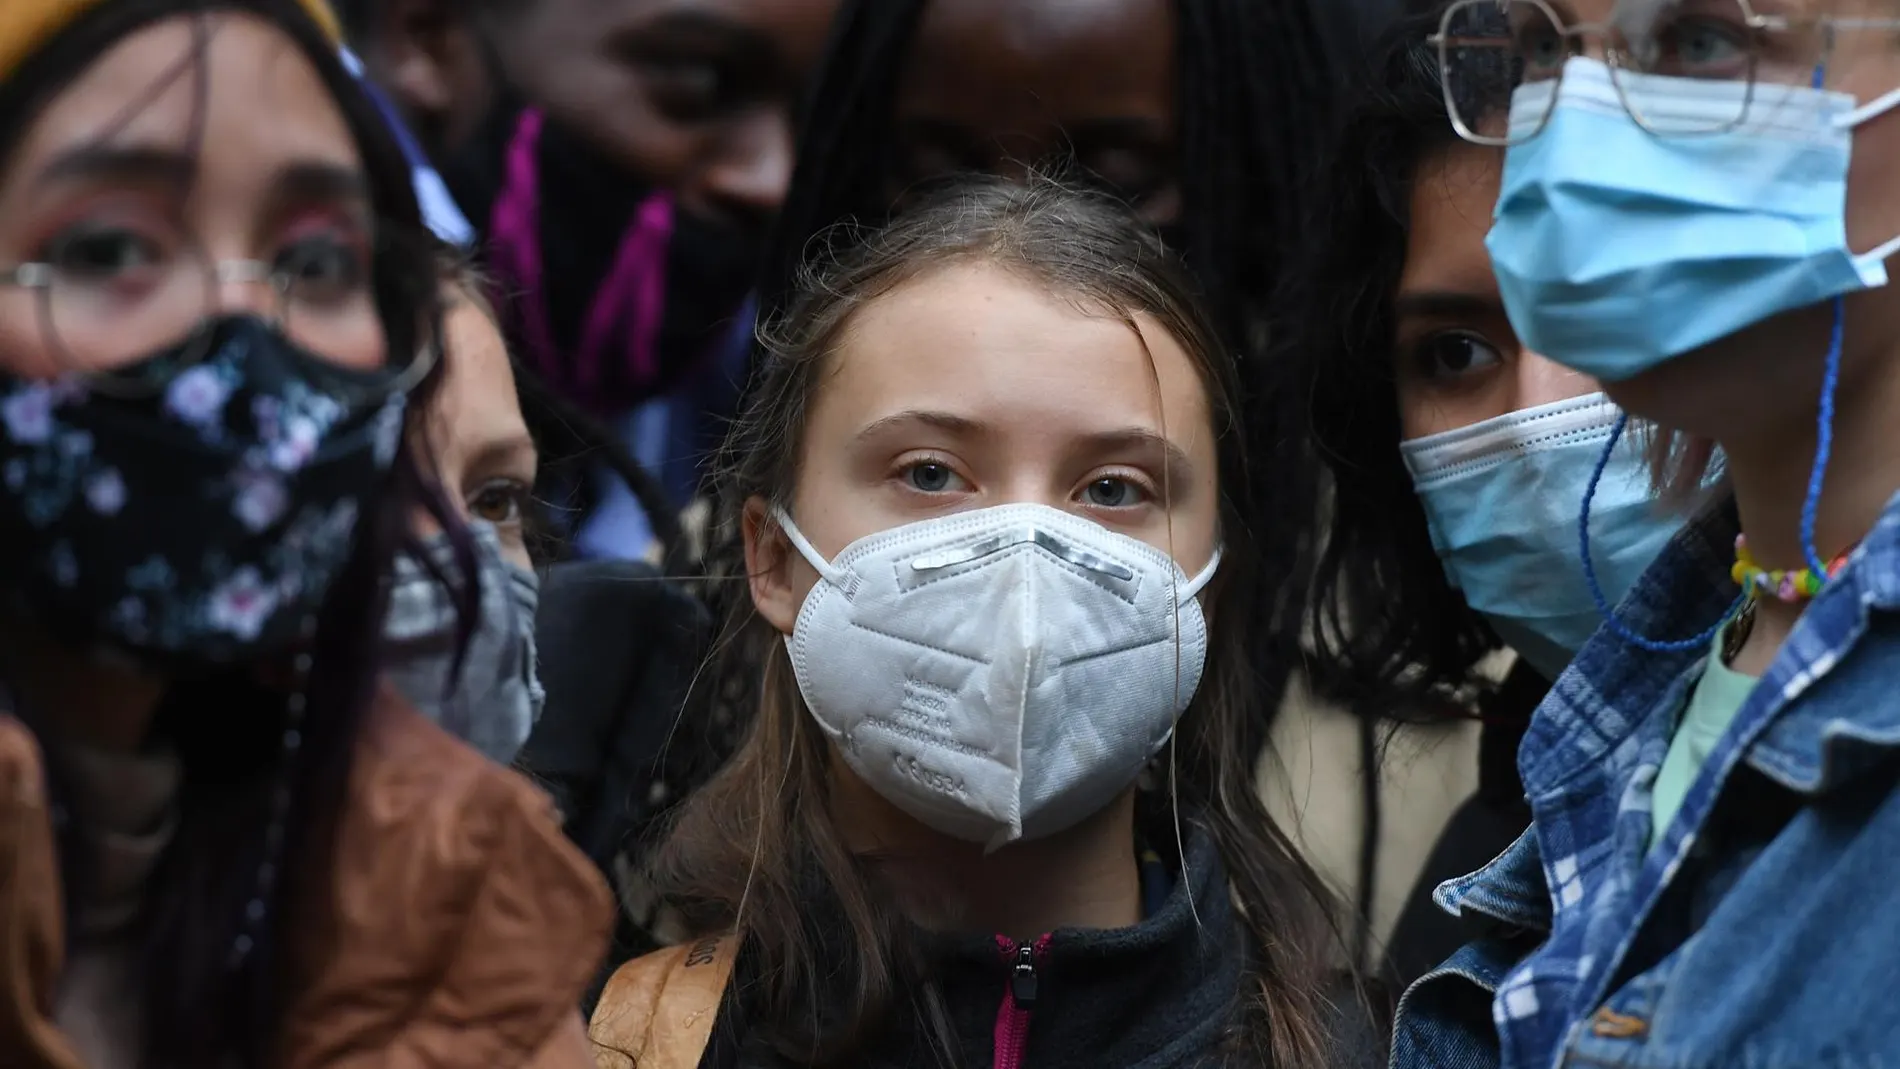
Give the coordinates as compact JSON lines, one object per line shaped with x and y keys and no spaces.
{"x":1823,"y":438}
{"x":1824,"y":445}
{"x":1824,"y":431}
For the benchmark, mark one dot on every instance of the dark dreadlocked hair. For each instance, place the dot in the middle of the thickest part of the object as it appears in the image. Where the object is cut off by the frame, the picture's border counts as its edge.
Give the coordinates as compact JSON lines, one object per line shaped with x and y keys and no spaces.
{"x":1256,"y":93}
{"x":1256,"y":106}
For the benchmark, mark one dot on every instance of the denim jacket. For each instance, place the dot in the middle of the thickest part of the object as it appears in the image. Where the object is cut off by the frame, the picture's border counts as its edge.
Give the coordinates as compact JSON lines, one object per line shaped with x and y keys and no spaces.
{"x":1760,"y":932}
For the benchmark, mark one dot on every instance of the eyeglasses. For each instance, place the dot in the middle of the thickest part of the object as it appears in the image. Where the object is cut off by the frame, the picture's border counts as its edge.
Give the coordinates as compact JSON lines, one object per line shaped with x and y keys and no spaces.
{"x":1489,"y":49}
{"x":103,"y":310}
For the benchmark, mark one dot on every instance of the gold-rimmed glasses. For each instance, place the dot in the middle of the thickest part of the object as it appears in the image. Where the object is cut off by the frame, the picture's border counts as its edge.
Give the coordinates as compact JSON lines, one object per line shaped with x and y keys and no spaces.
{"x":1489,"y":49}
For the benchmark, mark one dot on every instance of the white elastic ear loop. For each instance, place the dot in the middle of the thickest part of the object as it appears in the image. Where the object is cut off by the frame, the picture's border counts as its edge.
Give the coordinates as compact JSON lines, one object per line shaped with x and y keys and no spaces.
{"x":832,"y":575}
{"x":1206,"y":575}
{"x":1873,"y":109}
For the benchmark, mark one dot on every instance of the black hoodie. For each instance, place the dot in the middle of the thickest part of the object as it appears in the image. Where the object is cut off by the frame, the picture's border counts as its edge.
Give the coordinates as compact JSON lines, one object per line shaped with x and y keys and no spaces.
{"x":1160,"y":994}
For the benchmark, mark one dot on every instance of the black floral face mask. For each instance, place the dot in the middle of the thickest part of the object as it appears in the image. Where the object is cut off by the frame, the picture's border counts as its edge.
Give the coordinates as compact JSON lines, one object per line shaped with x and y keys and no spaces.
{"x":199,"y":503}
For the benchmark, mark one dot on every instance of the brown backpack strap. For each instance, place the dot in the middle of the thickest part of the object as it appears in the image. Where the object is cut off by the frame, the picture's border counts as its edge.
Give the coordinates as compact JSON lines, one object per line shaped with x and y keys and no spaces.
{"x":657,"y":1012}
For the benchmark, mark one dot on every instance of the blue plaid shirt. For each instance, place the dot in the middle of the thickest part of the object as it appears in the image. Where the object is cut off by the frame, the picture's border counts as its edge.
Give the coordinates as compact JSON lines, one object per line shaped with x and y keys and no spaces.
{"x":1760,"y":930}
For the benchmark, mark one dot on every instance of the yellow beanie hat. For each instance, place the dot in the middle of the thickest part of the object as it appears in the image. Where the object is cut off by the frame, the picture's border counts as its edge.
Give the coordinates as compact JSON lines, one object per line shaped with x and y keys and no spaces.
{"x":25,"y":25}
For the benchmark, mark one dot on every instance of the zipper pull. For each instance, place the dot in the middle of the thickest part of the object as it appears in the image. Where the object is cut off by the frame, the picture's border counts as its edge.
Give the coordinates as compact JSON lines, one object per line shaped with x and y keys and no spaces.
{"x":1022,"y":984}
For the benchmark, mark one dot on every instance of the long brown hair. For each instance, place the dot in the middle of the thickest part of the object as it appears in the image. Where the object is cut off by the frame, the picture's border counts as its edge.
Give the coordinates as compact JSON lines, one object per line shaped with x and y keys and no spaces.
{"x":756,"y":846}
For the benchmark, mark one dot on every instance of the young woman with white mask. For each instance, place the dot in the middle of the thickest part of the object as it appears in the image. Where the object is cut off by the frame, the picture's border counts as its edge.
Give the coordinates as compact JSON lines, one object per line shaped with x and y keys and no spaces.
{"x":1695,"y":209}
{"x":990,"y":491}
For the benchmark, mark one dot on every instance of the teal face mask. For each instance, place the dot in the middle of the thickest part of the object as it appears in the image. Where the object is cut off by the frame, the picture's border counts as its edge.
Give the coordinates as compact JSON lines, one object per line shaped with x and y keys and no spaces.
{"x":1617,"y":248}
{"x":1501,"y":500}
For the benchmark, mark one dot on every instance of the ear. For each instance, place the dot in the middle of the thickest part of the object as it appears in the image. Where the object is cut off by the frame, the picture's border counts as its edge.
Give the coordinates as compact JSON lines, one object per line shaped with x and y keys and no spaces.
{"x":416,"y":38}
{"x":768,"y":565}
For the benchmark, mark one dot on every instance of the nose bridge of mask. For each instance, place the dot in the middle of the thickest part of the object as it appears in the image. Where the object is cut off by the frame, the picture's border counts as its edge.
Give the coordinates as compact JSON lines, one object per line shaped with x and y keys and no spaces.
{"x":1494,"y":441}
{"x":1502,"y":497}
{"x":1450,"y":470}
{"x":1046,"y":529}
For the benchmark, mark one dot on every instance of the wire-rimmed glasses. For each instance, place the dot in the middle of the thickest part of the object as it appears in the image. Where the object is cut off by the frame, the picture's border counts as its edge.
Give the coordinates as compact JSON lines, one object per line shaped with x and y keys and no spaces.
{"x":105,"y":311}
{"x":1489,"y":49}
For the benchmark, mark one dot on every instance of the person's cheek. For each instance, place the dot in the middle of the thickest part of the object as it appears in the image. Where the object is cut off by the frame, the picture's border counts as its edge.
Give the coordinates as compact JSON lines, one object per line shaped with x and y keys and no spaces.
{"x":514,"y":549}
{"x":654,"y":147}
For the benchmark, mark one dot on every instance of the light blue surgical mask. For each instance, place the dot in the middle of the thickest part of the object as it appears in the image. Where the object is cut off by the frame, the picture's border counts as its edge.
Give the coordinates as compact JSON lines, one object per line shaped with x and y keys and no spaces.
{"x":1617,"y":248}
{"x":1501,"y":499}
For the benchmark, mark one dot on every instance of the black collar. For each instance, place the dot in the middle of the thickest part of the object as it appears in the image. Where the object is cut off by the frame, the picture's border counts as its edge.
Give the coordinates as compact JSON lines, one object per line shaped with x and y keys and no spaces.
{"x":1159,"y":994}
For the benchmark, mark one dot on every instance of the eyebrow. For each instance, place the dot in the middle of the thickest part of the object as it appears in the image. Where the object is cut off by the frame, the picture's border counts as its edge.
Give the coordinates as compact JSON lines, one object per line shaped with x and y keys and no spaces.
{"x":100,"y":162}
{"x":306,"y":180}
{"x":312,"y":181}
{"x":1121,"y":439}
{"x":1445,"y":303}
{"x":497,"y":455}
{"x":943,"y":421}
{"x":1129,"y":439}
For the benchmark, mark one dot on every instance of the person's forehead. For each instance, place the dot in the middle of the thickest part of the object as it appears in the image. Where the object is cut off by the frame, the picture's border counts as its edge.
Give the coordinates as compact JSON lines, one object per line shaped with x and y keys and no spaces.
{"x":477,"y":404}
{"x":1453,"y":192}
{"x":789,"y":24}
{"x":1034,"y":358}
{"x":1039,"y":31}
{"x":146,"y":89}
{"x":1010,"y":57}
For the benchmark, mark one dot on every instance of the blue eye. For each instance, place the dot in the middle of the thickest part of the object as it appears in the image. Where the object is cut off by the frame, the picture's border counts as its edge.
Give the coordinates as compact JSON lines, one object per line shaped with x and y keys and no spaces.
{"x":1112,"y":493}
{"x":930,"y":477}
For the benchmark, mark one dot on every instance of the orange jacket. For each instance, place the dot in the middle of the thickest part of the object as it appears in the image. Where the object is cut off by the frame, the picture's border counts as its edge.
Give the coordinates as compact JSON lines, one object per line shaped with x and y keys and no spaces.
{"x":459,"y":929}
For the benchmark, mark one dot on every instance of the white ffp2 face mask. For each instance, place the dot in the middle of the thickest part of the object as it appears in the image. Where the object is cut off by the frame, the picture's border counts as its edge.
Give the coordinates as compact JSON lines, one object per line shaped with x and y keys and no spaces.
{"x":999,"y":674}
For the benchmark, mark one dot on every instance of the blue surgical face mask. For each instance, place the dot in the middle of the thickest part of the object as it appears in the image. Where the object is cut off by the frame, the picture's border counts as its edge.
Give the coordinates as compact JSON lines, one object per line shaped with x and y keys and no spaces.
{"x":1617,"y":248}
{"x":1501,"y":498}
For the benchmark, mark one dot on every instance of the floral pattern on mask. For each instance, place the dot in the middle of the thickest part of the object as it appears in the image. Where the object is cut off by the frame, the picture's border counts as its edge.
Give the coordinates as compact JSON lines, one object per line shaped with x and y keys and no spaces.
{"x":206,"y":520}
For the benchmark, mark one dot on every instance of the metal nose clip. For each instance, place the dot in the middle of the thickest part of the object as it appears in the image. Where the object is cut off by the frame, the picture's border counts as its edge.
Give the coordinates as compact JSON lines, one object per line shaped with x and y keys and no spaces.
{"x":1054,"y":543}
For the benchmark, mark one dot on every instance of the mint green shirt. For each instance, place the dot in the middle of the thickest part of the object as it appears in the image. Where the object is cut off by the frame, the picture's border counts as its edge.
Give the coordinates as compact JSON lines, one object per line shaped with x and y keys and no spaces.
{"x":1717,"y":697}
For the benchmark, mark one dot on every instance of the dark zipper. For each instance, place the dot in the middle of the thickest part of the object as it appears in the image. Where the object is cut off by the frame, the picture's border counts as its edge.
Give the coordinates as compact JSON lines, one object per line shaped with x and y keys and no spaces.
{"x":1019,"y":998}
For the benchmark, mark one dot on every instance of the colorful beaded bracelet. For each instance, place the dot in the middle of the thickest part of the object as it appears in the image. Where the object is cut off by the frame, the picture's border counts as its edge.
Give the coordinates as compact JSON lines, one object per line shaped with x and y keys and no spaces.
{"x":1786,"y":585}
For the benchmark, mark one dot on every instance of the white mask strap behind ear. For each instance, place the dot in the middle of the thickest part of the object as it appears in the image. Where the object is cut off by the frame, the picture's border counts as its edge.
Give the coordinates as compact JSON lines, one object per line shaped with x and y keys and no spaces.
{"x":1203,"y":577}
{"x":833,"y":575}
{"x":1873,"y":109}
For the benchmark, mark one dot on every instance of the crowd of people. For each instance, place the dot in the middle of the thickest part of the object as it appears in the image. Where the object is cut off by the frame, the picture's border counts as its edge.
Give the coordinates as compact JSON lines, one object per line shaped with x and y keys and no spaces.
{"x":765,"y":534}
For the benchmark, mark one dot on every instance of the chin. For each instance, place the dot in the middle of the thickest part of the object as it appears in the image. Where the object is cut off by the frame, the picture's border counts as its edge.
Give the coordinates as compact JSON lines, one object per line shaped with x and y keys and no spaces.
{"x":1735,"y":386}
{"x":1685,"y":394}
